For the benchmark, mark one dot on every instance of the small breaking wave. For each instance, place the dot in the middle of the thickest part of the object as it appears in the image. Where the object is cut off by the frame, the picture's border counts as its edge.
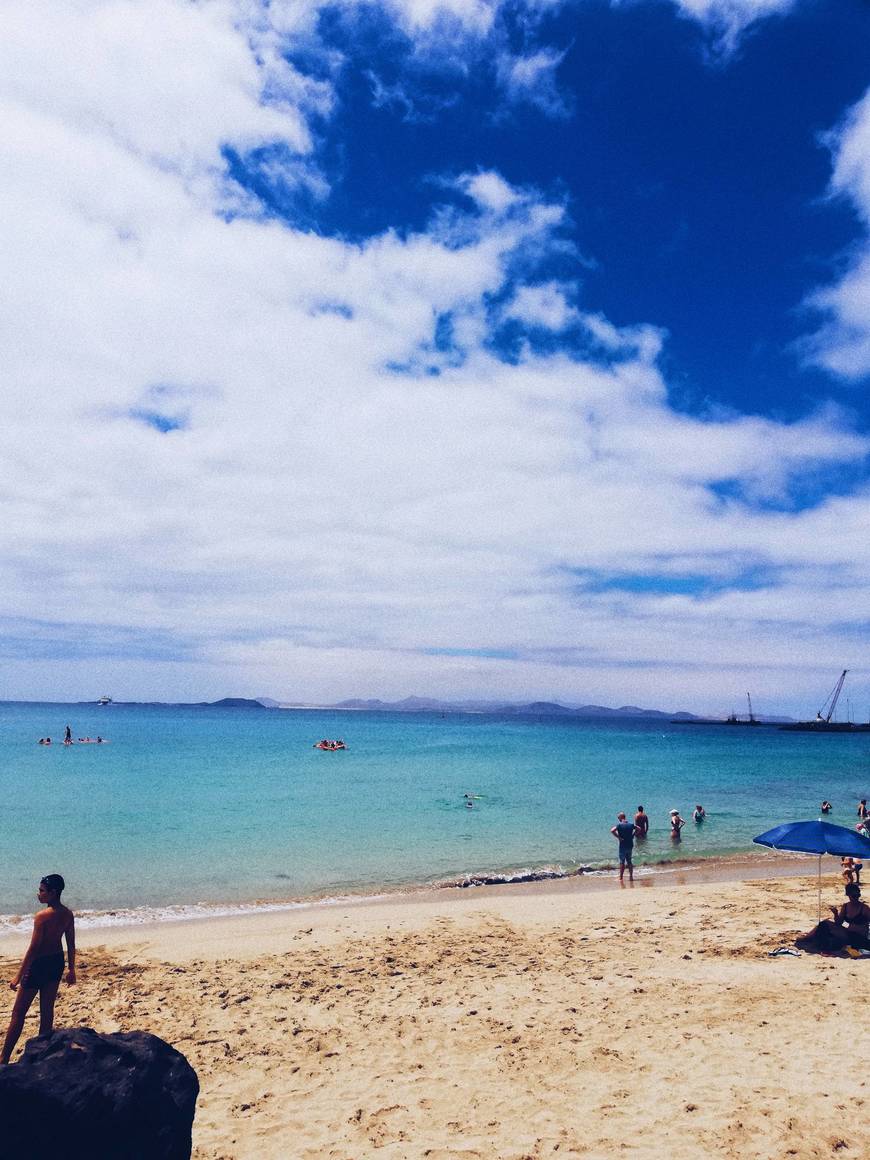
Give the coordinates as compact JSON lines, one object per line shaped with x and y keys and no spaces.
{"x":137,"y":916}
{"x":507,"y":877}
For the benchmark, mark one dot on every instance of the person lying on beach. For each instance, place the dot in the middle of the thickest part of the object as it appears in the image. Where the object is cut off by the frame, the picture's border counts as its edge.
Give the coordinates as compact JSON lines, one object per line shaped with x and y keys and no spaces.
{"x":677,"y":824}
{"x":848,"y":928}
{"x":41,"y":969}
{"x":625,"y":832}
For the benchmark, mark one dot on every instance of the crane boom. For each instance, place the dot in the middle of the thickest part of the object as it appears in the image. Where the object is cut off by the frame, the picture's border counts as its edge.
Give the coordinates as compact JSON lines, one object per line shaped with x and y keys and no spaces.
{"x":833,"y":698}
{"x":749,"y":701}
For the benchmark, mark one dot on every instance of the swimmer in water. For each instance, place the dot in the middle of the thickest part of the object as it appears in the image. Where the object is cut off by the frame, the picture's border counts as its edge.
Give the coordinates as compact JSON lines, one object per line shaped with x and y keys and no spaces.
{"x":677,"y":824}
{"x":469,"y":801}
{"x":699,"y":814}
{"x":826,"y":806}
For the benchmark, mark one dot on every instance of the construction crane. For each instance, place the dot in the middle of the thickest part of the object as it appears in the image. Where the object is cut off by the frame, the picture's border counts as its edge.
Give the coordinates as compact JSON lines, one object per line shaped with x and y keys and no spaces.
{"x":751,"y":714}
{"x":831,"y":703}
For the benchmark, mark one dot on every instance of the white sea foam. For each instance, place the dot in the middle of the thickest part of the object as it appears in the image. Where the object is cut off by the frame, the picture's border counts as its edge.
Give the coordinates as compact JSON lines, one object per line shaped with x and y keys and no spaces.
{"x":135,"y":916}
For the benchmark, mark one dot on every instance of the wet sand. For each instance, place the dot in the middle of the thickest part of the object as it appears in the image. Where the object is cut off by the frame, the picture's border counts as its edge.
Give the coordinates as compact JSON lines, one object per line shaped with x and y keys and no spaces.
{"x":547,"y":1019}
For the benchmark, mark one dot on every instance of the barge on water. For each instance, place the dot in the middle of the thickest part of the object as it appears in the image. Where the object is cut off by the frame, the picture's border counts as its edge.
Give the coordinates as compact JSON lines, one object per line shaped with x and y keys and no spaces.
{"x":823,"y":722}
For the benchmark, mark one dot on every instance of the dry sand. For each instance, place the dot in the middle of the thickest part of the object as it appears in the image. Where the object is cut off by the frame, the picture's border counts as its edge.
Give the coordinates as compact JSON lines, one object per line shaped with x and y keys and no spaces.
{"x":558,"y":1022}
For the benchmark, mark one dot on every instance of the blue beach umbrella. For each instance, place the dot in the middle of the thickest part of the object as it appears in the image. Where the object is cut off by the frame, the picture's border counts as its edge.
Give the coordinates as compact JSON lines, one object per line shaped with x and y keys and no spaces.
{"x":816,"y":838}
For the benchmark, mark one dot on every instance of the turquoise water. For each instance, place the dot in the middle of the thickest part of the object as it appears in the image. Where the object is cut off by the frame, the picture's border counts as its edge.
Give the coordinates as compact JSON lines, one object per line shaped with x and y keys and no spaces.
{"x":234,"y":805}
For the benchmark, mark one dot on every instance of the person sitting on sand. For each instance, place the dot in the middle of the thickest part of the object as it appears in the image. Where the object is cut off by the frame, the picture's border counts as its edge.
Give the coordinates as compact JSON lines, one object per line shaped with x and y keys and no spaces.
{"x":848,"y":928}
{"x":624,"y":832}
{"x":677,"y":824}
{"x":699,"y":814}
{"x":41,"y":969}
{"x":641,"y":824}
{"x":826,"y":806}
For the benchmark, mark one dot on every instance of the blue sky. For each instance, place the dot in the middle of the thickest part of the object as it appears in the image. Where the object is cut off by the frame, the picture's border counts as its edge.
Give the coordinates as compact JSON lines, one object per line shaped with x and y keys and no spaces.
{"x":461,"y":349}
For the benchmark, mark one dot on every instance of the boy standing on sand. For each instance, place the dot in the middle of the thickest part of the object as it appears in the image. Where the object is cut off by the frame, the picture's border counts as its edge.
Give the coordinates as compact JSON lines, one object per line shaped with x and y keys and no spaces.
{"x":42,"y":967}
{"x":624,"y":832}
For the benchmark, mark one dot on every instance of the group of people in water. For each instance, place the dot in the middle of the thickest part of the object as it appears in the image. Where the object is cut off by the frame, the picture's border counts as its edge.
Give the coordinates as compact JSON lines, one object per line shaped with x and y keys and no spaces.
{"x":326,"y":743}
{"x":68,"y":739}
{"x":627,"y":833}
{"x":863,"y":824}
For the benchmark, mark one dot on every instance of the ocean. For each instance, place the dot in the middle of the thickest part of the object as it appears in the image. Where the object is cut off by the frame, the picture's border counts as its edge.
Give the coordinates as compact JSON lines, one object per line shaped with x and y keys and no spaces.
{"x":185,"y":808}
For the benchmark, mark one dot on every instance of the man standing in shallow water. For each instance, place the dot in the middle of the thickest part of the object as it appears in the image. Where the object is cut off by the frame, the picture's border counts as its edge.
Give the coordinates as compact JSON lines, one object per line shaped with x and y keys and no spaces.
{"x":625,"y":832}
{"x":641,"y":823}
{"x":42,"y":967}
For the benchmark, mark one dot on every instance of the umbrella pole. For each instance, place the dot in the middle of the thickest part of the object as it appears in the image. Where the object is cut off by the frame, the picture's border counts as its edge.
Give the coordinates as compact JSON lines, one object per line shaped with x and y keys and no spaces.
{"x":820,"y":888}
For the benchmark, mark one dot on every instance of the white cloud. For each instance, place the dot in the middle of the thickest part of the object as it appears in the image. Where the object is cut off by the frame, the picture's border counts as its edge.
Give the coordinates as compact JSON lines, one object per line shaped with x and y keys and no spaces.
{"x":320,"y":520}
{"x":843,"y":344}
{"x":490,"y":191}
{"x":543,"y":305}
{"x":729,"y":18}
{"x":532,"y":77}
{"x":646,"y":341}
{"x":167,"y":81}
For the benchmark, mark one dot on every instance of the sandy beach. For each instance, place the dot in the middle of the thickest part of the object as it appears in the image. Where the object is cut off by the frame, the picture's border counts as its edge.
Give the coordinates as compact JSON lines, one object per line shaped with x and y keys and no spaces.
{"x":506,"y":1023}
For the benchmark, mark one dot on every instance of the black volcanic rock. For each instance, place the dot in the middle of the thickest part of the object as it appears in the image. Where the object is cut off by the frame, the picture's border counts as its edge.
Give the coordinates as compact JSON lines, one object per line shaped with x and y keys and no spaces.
{"x":79,"y":1094}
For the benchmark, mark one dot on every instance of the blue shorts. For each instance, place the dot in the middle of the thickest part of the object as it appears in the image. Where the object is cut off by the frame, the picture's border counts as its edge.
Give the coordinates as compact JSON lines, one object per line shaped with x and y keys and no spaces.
{"x":625,"y":853}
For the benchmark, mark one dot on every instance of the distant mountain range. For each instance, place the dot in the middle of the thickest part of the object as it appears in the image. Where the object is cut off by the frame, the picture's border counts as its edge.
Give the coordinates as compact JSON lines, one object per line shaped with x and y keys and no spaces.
{"x":529,"y":709}
{"x":434,"y":705}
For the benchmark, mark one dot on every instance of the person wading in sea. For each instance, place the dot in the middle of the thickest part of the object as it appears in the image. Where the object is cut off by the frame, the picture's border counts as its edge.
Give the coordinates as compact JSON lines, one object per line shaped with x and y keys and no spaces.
{"x":41,"y":969}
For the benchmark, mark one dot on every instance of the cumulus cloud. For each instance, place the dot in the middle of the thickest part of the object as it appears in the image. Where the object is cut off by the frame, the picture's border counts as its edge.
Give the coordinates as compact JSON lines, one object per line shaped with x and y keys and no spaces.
{"x":243,"y":457}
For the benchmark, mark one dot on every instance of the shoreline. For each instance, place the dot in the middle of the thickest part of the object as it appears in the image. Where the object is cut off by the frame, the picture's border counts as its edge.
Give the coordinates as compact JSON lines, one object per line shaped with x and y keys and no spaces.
{"x":123,"y":925}
{"x":524,"y":1021}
